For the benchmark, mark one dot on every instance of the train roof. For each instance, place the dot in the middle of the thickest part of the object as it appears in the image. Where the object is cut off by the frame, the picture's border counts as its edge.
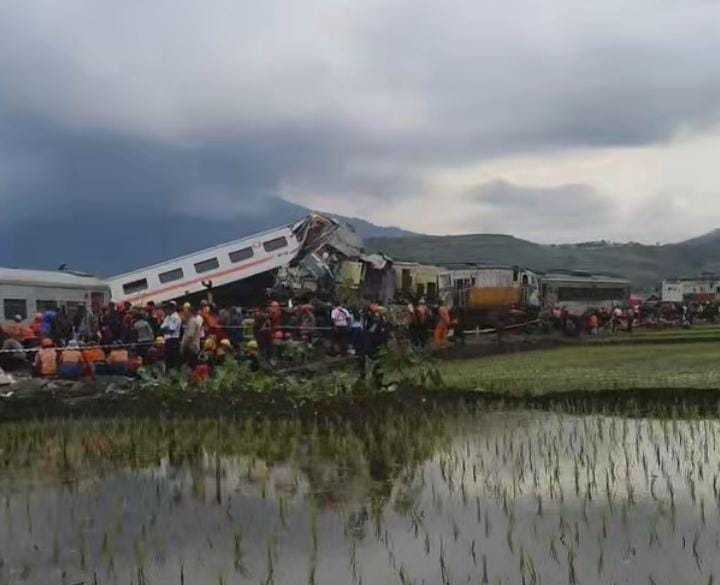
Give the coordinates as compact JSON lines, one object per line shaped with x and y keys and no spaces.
{"x":237,"y":242}
{"x":582,"y":276}
{"x":61,"y":278}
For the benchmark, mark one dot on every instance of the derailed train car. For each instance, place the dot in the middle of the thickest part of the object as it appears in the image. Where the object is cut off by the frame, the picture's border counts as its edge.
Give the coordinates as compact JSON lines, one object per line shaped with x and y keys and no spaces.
{"x":579,"y":291}
{"x":490,"y":287}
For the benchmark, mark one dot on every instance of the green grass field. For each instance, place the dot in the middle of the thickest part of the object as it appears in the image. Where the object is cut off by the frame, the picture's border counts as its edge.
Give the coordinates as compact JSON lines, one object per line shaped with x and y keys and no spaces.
{"x":590,"y":368}
{"x":701,"y":333}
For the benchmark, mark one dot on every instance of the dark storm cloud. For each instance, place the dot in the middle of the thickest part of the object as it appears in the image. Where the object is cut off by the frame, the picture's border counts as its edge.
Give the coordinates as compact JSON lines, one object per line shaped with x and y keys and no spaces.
{"x":182,"y":102}
{"x":58,"y":167}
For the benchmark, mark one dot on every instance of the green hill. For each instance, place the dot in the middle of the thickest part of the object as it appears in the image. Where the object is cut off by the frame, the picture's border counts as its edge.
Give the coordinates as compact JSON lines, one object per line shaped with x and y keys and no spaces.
{"x":646,"y":266}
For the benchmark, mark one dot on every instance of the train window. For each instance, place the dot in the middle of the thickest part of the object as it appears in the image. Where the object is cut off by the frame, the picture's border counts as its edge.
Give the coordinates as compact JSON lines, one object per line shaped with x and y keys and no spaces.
{"x":240,"y":255}
{"x":171,"y":275}
{"x":14,"y":307}
{"x":135,"y":286}
{"x":206,"y":265}
{"x":71,"y":307}
{"x":276,"y":244}
{"x":42,"y":306}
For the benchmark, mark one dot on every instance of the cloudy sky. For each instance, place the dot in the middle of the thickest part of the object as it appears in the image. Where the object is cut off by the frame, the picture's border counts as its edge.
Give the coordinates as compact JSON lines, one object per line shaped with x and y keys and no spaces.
{"x":553,"y":120}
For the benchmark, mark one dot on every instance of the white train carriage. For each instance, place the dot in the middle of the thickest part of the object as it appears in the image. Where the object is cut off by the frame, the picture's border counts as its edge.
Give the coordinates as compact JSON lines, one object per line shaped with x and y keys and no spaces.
{"x":26,"y":292}
{"x":221,"y":265}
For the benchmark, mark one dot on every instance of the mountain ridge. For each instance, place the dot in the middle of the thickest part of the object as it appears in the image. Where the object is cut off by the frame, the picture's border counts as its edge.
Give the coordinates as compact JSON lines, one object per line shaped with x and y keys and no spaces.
{"x":113,"y":239}
{"x":645,"y":265}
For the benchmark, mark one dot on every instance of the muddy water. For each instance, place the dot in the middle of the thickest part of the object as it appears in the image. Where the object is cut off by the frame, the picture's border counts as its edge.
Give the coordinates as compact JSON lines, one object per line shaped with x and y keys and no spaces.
{"x":453,"y":495}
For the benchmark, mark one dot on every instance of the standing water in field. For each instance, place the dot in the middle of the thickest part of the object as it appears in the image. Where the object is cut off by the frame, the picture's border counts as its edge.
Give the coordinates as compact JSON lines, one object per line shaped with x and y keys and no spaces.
{"x":453,"y":495}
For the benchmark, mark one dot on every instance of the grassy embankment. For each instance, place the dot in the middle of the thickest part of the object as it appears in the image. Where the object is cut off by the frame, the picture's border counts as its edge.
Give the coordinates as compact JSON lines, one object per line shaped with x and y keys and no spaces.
{"x":591,"y":369}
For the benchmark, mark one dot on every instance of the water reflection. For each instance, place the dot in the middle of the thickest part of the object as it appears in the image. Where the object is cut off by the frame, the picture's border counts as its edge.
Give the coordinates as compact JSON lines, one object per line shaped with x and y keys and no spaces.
{"x":451,"y":495}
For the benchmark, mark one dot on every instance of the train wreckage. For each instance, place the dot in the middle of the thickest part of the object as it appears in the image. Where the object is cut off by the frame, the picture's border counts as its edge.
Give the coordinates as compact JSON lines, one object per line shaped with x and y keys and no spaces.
{"x":312,"y":257}
{"x":319,"y":258}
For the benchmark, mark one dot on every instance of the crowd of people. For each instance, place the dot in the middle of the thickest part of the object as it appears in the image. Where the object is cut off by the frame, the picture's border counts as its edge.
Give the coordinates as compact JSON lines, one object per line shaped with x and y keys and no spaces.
{"x":612,"y":320}
{"x":119,"y":339}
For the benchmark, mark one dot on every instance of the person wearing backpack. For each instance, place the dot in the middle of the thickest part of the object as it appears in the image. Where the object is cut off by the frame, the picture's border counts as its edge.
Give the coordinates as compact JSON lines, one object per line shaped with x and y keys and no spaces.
{"x":340,"y":318}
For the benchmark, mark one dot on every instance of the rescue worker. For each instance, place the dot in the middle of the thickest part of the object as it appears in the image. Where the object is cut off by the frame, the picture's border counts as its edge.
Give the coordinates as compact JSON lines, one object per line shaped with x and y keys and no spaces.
{"x":155,"y":356}
{"x":46,"y":359}
{"x":37,"y":325}
{"x":118,"y":360}
{"x":251,"y":355}
{"x":443,"y":325}
{"x":95,"y":359}
{"x":224,"y":352}
{"x":209,"y":350}
{"x":72,"y":364}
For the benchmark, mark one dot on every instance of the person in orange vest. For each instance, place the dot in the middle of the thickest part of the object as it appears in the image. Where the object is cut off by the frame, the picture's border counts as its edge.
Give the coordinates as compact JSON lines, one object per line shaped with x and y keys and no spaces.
{"x":72,"y":363}
{"x":118,"y":360}
{"x":443,"y":325}
{"x":46,"y":359}
{"x":95,"y":359}
{"x":211,"y":322}
{"x":29,"y":337}
{"x":37,"y":325}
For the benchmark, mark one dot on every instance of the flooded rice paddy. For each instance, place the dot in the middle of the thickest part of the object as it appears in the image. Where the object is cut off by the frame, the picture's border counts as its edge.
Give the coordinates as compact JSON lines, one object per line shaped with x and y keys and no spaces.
{"x":444,"y":495}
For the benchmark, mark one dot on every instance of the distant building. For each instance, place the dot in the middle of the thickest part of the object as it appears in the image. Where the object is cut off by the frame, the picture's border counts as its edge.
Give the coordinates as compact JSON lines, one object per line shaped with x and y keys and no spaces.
{"x":578,"y":291}
{"x":705,"y":287}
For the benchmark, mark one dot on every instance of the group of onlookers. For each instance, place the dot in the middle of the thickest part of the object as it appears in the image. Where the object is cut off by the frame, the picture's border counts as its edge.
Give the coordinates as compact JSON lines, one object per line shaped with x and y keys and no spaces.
{"x":594,"y":321}
{"x":119,"y":339}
